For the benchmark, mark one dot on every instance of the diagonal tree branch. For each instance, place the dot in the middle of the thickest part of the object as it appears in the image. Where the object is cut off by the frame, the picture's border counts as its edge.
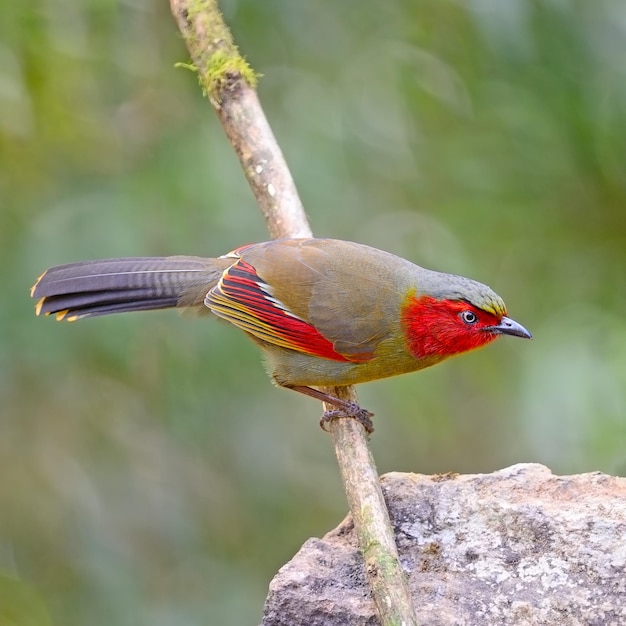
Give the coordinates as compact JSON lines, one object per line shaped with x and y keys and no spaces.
{"x":229,"y":83}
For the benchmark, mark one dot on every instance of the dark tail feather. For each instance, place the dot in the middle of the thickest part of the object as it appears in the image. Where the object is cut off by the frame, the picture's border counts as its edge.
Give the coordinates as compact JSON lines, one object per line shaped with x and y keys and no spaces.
{"x":109,"y":286}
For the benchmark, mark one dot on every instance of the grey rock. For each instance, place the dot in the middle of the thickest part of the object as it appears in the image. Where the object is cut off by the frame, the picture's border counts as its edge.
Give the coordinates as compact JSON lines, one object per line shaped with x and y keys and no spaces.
{"x":518,"y":547}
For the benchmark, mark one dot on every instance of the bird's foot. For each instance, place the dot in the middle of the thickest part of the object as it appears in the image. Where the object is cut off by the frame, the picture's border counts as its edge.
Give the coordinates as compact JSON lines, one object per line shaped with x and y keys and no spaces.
{"x":349,"y":409}
{"x":344,"y":408}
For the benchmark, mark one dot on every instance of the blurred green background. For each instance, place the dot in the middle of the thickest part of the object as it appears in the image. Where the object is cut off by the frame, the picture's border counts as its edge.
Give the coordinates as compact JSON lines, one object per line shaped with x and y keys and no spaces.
{"x":150,"y":472}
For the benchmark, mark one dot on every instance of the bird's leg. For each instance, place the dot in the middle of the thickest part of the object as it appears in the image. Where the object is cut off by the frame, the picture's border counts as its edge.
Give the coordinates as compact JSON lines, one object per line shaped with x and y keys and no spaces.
{"x":344,"y":408}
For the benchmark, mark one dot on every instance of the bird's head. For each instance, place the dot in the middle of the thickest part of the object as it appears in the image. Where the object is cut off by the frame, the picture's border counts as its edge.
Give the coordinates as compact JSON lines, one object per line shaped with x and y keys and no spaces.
{"x":450,"y":314}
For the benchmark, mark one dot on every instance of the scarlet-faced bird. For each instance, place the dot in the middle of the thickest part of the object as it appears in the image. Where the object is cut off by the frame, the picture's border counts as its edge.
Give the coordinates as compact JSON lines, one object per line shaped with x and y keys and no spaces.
{"x":325,"y":312}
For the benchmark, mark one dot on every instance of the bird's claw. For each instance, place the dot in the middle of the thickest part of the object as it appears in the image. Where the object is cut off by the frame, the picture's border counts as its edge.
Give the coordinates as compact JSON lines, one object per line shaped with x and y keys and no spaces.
{"x":353,"y":410}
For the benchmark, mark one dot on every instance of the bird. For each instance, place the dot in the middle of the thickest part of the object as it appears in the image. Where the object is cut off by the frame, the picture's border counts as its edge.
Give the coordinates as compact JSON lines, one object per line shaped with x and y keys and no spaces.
{"x":325,"y":312}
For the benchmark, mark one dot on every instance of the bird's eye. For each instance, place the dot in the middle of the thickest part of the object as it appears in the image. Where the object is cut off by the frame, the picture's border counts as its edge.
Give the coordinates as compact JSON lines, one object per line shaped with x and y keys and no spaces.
{"x":469,"y":317}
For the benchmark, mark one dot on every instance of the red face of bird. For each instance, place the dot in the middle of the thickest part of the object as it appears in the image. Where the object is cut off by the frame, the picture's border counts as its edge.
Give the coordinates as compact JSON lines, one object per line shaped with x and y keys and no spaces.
{"x":444,"y":327}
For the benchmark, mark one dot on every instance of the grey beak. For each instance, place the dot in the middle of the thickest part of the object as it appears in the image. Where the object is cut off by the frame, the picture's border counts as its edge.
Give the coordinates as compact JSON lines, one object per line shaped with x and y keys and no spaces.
{"x":507,"y":326}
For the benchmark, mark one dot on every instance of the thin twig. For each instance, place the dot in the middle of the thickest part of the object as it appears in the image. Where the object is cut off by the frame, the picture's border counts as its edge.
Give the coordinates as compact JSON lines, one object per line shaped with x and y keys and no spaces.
{"x":229,"y":84}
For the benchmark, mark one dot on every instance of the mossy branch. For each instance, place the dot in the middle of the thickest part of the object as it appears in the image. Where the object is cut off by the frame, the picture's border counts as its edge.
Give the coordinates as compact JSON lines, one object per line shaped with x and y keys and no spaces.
{"x":216,"y":57}
{"x":229,"y":82}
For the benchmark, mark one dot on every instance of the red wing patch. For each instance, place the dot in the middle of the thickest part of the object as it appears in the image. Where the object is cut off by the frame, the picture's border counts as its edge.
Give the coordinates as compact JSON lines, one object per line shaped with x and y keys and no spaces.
{"x":242,"y":298}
